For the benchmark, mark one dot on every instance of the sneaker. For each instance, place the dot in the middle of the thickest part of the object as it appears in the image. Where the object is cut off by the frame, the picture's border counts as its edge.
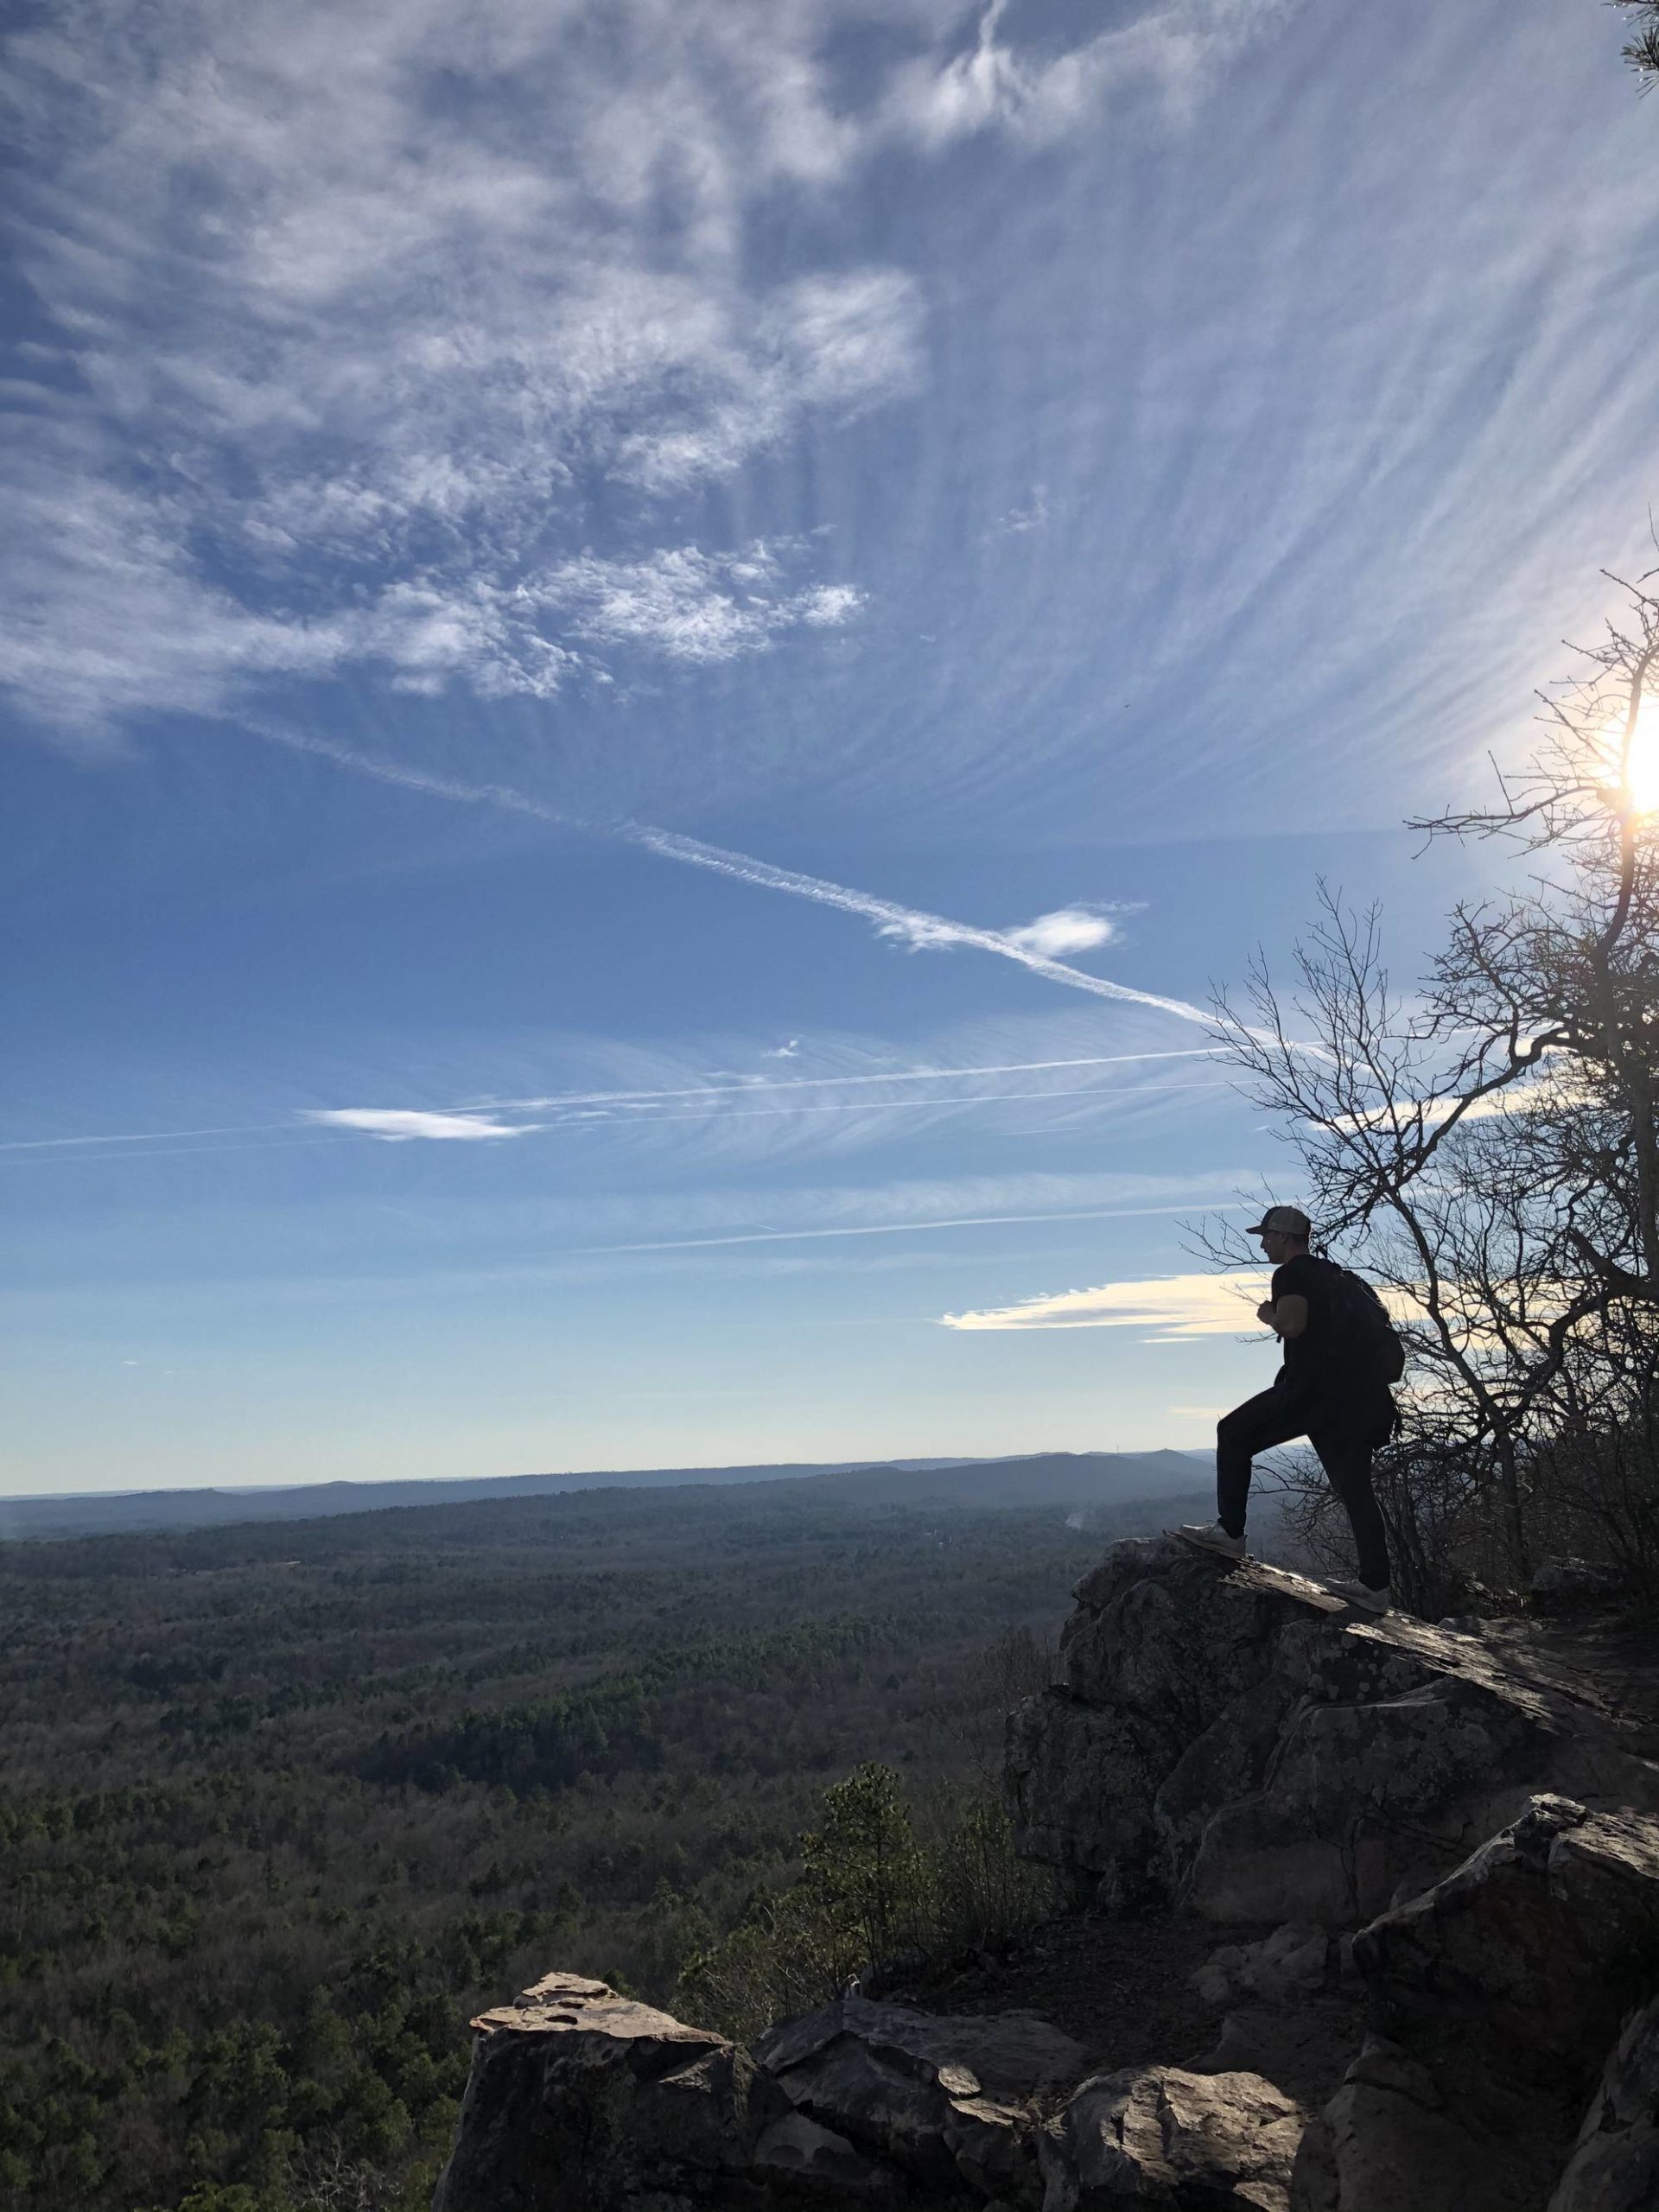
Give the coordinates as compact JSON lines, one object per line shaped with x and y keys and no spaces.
{"x":1379,"y":1600}
{"x":1213,"y":1538}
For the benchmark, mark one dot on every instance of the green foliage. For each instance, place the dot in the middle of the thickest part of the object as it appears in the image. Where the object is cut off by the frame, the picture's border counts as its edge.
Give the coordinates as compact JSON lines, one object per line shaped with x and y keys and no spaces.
{"x":1641,"y":49}
{"x":280,"y":1807}
{"x":868,"y":1893}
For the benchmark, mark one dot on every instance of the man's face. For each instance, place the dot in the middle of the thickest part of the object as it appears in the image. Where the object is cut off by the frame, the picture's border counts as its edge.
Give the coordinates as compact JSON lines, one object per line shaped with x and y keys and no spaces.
{"x":1277,"y":1246}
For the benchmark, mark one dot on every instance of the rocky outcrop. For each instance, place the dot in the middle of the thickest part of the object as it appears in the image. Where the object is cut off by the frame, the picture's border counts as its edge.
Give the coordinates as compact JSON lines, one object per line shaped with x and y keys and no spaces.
{"x":1445,"y":1999}
{"x":580,"y":2100}
{"x":1539,"y":1942}
{"x":1233,"y":1741}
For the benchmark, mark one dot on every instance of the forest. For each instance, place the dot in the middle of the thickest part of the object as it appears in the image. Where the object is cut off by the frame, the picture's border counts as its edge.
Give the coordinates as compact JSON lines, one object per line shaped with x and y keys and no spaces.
{"x":284,"y":1804}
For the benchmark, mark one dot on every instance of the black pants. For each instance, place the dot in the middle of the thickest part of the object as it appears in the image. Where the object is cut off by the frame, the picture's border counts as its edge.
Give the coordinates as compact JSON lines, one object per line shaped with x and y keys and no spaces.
{"x":1344,"y":1439}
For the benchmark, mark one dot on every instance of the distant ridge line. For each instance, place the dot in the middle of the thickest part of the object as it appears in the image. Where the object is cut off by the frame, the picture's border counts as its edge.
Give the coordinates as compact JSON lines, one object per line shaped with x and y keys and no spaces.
{"x":1012,"y":1478}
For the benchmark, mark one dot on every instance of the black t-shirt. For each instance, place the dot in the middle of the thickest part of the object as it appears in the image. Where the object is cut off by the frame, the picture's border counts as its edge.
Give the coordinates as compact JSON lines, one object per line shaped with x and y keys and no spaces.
{"x":1306,"y":1356}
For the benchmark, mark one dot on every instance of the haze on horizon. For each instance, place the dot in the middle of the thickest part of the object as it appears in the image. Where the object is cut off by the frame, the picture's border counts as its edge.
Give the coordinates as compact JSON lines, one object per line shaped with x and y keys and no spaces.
{"x":655,"y":655}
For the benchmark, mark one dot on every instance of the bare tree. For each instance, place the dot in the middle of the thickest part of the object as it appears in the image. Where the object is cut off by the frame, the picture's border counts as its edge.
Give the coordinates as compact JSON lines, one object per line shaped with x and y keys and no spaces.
{"x":1489,"y":1146}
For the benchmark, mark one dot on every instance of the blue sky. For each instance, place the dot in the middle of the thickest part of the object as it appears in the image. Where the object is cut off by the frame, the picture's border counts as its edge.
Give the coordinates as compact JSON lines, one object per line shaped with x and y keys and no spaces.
{"x":654,"y":652}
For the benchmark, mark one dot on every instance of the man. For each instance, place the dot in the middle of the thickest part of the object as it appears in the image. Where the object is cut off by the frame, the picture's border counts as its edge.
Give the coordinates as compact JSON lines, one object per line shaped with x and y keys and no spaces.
{"x":1344,"y":1411}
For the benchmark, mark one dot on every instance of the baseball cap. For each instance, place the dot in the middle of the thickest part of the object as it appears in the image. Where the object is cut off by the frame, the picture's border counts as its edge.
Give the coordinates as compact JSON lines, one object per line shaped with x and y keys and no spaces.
{"x":1289,"y":1221}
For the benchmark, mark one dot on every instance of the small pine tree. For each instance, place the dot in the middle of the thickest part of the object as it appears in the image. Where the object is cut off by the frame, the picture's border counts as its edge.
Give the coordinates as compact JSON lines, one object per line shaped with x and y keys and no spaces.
{"x":1641,"y":48}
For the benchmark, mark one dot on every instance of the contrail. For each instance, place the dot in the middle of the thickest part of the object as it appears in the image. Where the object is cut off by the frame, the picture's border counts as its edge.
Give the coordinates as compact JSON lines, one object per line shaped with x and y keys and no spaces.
{"x":139,"y":1136}
{"x":912,"y":923}
{"x":893,"y":1228}
{"x":824,"y":1082}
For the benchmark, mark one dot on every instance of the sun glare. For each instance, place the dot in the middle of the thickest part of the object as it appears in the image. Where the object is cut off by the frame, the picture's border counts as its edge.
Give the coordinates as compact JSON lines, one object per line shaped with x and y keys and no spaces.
{"x":1641,"y":773}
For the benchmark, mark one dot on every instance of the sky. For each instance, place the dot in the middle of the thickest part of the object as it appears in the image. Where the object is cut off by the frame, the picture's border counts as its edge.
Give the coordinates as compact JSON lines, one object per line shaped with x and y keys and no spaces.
{"x":655,"y":655}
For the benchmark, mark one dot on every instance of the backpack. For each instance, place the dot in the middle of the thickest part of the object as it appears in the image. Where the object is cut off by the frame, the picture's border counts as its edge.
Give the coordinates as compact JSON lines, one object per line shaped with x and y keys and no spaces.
{"x":1362,"y":1337}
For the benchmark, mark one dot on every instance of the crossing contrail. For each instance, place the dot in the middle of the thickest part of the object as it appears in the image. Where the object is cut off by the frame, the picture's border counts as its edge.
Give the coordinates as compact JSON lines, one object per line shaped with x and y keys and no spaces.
{"x":913,"y":926}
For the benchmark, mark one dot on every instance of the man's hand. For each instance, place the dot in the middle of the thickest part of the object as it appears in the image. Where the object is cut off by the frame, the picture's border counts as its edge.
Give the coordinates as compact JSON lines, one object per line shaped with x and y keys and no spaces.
{"x":1264,"y":1312}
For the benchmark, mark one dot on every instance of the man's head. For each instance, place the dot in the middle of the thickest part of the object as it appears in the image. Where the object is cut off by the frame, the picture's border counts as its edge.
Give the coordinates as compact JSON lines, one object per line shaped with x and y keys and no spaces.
{"x":1284,"y":1232}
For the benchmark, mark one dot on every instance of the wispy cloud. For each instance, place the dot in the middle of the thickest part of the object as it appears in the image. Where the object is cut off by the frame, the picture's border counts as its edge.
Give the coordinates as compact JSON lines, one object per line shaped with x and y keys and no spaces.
{"x":885,"y":1078}
{"x":408,"y":313}
{"x":421,"y":292}
{"x":1172,"y":1309}
{"x":689,"y":605}
{"x":1169,"y":50}
{"x":716,"y":1105}
{"x":399,"y":1125}
{"x":1021,"y":521}
{"x":908,"y":1201}
{"x":314,"y":199}
{"x":1068,"y":928}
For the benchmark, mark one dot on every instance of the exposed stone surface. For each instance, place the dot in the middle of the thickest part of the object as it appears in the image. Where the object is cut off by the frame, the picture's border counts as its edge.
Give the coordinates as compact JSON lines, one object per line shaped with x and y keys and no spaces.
{"x":812,"y":2164}
{"x":946,"y":2101}
{"x":581,"y":2100}
{"x":1294,"y":1960}
{"x":1159,"y":2136}
{"x":1233,"y":1740}
{"x":1231,"y":1744}
{"x":1386,"y":2143}
{"x":1615,"y":2165}
{"x":1539,"y":1940}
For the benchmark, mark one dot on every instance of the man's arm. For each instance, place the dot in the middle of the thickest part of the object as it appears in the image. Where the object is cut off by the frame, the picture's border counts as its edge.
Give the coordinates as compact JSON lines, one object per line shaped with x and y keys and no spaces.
{"x":1288,"y":1318}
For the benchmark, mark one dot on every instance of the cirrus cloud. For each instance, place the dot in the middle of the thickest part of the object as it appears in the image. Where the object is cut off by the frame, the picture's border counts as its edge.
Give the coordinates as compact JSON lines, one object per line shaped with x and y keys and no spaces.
{"x":346,"y":319}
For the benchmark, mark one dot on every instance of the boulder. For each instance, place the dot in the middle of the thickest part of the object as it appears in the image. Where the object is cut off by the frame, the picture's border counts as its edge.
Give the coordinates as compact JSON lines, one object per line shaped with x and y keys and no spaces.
{"x":1294,"y":1961}
{"x":1615,"y":2163}
{"x":1386,"y":2143}
{"x":946,"y":2101}
{"x":581,"y":2101}
{"x":1539,"y":1942}
{"x":1160,"y":2137}
{"x":1233,"y":1740}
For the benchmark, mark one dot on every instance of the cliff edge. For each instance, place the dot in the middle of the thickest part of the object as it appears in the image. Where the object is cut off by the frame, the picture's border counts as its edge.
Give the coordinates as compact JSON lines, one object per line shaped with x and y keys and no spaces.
{"x":1436,"y":1856}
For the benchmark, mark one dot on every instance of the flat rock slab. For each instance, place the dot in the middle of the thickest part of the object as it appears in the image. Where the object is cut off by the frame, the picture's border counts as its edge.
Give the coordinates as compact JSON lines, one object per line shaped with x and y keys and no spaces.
{"x":562,"y":2003}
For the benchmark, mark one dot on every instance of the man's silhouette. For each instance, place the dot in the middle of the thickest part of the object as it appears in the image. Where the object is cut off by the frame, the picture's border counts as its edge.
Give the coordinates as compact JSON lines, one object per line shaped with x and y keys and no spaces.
{"x":1324,"y":1391}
